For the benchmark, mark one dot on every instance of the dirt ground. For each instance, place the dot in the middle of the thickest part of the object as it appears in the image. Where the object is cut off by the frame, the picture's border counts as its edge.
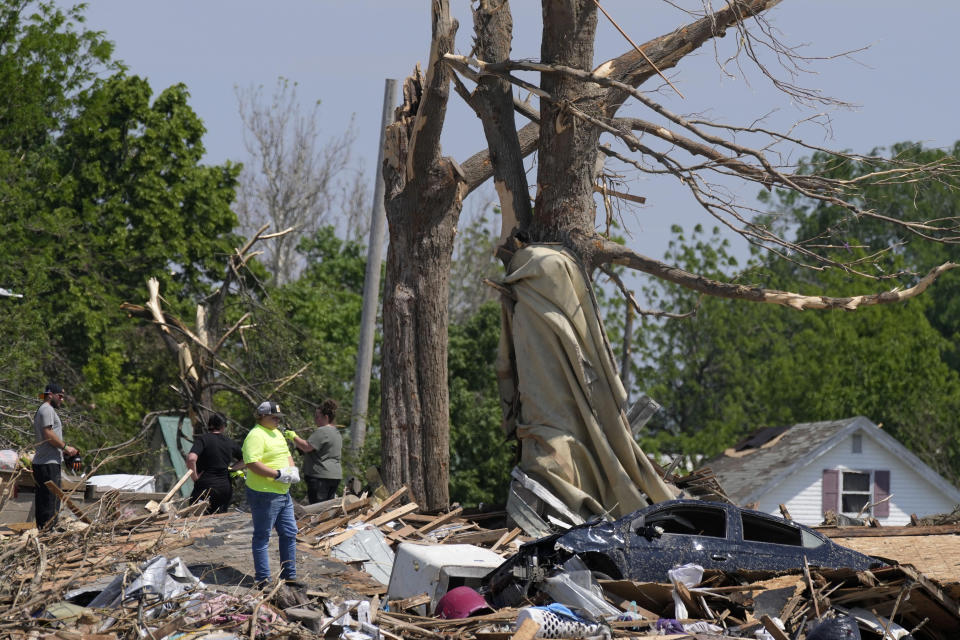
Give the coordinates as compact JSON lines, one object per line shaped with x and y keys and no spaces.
{"x":223,"y":557}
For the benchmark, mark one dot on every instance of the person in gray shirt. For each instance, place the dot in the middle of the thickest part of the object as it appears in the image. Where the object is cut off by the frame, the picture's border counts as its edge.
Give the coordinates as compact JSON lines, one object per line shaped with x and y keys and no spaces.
{"x":46,"y":462}
{"x":321,"y":454}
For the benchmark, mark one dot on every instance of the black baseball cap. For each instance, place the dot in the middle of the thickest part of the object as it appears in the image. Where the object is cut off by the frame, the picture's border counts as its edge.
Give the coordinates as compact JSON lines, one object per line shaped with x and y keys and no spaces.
{"x":52,"y":388}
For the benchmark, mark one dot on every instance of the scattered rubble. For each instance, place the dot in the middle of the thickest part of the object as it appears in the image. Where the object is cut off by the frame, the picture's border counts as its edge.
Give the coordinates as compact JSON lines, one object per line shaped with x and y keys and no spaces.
{"x":172,"y":573}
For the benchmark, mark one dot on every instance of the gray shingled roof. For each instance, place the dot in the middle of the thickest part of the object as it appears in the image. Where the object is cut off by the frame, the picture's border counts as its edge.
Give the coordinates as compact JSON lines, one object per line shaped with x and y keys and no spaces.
{"x":741,"y":477}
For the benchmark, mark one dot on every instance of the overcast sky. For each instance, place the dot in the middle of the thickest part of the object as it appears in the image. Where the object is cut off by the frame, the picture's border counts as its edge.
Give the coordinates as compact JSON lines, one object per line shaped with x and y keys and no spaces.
{"x":340,"y":53}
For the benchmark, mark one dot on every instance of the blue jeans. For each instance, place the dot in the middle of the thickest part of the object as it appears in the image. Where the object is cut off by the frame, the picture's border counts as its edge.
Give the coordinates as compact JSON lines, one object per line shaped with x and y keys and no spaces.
{"x":273,"y":510}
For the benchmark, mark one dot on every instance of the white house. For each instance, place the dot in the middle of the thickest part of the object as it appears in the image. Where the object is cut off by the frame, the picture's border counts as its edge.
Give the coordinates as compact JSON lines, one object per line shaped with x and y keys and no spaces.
{"x":840,"y":466}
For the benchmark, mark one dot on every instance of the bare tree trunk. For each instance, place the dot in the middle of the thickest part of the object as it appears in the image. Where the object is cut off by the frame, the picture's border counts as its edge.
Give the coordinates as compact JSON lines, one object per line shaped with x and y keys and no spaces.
{"x":424,"y":197}
{"x":415,"y":406}
{"x":568,"y":147}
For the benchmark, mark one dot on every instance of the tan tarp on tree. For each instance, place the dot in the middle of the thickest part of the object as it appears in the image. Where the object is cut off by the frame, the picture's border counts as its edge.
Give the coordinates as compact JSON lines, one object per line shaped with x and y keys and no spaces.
{"x":568,"y":409}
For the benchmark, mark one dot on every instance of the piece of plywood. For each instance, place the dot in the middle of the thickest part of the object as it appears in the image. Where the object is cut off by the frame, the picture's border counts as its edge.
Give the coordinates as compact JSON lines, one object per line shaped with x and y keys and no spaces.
{"x":935,"y":556}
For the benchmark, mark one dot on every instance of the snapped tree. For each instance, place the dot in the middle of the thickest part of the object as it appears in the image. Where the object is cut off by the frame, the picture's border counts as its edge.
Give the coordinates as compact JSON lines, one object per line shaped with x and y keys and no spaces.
{"x":580,"y":102}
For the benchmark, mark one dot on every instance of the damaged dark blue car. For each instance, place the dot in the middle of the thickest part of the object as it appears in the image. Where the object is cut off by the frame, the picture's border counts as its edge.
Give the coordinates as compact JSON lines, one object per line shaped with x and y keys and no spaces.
{"x":644,"y":545}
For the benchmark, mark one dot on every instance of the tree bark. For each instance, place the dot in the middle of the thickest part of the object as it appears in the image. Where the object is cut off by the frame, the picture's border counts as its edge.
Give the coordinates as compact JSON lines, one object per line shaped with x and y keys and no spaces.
{"x":493,"y":102}
{"x":568,"y":147}
{"x":424,"y":197}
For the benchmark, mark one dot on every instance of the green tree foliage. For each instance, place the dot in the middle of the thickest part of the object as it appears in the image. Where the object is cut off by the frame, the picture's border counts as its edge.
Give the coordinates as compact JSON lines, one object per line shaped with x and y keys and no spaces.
{"x":101,"y":189}
{"x":480,"y":457}
{"x":918,"y":200}
{"x":312,"y":324}
{"x":736,"y":366}
{"x":47,"y":60}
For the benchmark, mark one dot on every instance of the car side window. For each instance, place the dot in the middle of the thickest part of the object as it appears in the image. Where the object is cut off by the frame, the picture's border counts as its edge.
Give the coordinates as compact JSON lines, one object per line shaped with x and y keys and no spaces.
{"x":757,"y":528}
{"x":692,"y":521}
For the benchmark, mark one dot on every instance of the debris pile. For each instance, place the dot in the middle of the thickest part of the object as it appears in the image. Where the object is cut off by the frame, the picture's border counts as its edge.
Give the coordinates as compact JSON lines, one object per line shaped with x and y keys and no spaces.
{"x":172,"y":573}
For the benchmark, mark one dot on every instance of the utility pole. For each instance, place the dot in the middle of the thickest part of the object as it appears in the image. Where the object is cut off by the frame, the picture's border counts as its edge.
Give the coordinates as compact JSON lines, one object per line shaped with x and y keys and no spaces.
{"x":371,"y":285}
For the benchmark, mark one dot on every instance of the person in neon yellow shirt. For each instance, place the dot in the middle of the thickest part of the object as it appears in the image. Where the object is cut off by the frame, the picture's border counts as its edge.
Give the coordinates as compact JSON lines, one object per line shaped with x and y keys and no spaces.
{"x":270,"y":472}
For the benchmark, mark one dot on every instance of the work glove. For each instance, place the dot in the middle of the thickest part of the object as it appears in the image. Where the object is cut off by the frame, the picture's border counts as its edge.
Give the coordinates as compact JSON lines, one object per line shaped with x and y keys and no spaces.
{"x":290,"y":434}
{"x":237,"y":474}
{"x":289,"y":475}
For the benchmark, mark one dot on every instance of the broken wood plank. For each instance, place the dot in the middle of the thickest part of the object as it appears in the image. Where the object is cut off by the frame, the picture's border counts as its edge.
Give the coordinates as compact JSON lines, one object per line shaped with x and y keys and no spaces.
{"x":356,"y":505}
{"x":458,"y":530}
{"x":404,"y":490}
{"x":694,"y":609}
{"x":773,"y":629}
{"x":527,"y":631}
{"x":880,"y":532}
{"x":343,"y":536}
{"x":420,"y":517}
{"x":410,"y":603}
{"x":506,"y":539}
{"x":175,"y":488}
{"x":393,"y":621}
{"x":484,"y":536}
{"x":402,"y":532}
{"x":325,"y":527}
{"x":439,"y":520}
{"x":395,"y":514}
{"x":813,"y":591}
{"x":77,"y":511}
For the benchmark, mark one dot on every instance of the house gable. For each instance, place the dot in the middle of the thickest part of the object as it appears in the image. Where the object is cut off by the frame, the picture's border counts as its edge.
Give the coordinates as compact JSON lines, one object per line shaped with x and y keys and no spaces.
{"x":789,"y":470}
{"x":909,"y":485}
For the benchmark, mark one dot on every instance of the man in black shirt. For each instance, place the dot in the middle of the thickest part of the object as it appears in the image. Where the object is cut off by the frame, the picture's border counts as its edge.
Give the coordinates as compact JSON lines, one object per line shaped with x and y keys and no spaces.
{"x":209,"y":461}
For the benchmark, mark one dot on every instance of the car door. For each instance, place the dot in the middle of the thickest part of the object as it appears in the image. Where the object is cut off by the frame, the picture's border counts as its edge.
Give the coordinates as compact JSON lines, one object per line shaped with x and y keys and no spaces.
{"x":677,"y":534}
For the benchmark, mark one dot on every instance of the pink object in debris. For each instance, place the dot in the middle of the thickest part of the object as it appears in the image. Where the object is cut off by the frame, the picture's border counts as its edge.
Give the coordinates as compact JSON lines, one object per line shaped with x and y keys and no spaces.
{"x":461,"y":602}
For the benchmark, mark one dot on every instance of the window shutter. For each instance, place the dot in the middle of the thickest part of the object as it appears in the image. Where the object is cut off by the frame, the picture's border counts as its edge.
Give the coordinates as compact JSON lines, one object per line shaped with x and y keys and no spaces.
{"x":881,"y":489}
{"x":831,"y":491}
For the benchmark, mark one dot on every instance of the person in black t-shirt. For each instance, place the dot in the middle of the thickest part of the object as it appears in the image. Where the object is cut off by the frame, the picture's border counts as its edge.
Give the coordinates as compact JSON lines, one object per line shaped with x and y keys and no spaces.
{"x":210,"y":463}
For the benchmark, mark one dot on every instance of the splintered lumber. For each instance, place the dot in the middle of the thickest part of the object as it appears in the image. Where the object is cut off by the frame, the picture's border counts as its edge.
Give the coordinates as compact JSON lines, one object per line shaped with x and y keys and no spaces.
{"x":406,"y":626}
{"x":395,"y":514}
{"x":356,"y":505}
{"x":773,"y":629}
{"x":77,"y":511}
{"x":410,"y":603}
{"x":439,"y":520}
{"x":324,"y":527}
{"x":386,"y":503}
{"x":402,"y":532}
{"x":343,"y":536}
{"x":506,"y":539}
{"x":883,"y":532}
{"x":174,"y":489}
{"x":693,"y":607}
{"x":481,"y":537}
{"x":527,"y":631}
